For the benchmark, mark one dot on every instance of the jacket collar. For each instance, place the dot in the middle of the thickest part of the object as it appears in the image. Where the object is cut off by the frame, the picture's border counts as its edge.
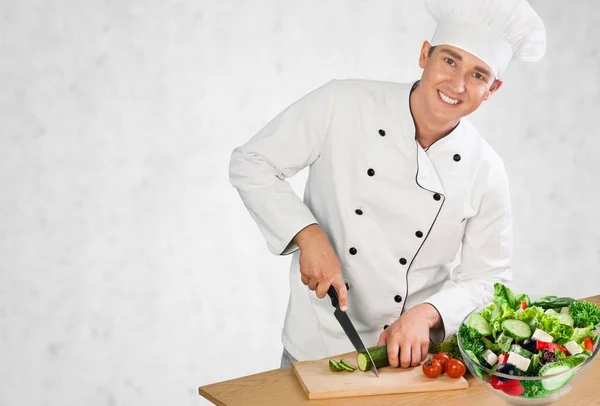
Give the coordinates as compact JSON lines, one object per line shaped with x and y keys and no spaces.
{"x":455,"y":144}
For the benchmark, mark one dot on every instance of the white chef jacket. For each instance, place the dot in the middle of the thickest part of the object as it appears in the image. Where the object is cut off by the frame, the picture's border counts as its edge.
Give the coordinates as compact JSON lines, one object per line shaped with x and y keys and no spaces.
{"x":396,"y":214}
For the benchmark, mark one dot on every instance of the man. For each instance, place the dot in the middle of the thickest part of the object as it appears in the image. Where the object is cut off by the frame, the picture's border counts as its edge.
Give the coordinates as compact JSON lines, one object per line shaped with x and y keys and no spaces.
{"x":399,"y":183}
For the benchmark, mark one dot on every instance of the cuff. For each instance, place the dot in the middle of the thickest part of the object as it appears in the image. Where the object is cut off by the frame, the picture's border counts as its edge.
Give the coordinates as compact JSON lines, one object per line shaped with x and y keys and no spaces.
{"x":453,"y":304}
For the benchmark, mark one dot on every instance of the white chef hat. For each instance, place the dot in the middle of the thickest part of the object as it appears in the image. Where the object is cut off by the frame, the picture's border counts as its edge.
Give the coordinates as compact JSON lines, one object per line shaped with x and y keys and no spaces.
{"x":495,"y":31}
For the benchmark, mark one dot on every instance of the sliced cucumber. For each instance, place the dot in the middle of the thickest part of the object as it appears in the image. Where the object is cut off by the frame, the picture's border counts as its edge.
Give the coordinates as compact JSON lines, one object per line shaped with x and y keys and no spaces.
{"x":479,"y":323}
{"x":346,"y":365}
{"x":334,"y":366}
{"x":517,"y":349}
{"x":554,"y":368}
{"x":379,"y":355}
{"x":516,"y":328}
{"x":565,"y":318}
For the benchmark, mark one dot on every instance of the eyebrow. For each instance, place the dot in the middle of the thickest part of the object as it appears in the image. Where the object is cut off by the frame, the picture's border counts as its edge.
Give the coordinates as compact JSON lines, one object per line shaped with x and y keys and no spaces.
{"x":458,"y":57}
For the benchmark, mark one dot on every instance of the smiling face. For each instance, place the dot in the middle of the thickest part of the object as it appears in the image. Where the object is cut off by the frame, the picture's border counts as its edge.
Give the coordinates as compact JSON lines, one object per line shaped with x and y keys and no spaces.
{"x":454,"y":83}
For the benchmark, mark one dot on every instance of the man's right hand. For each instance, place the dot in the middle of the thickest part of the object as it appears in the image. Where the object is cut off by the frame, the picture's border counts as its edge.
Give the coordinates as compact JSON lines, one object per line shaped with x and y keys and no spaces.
{"x":319,"y":265}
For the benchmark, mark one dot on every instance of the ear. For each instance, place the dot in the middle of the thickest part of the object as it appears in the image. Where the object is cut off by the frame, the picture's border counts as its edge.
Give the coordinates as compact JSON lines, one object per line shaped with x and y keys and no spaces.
{"x":494,"y":88}
{"x":424,"y":55}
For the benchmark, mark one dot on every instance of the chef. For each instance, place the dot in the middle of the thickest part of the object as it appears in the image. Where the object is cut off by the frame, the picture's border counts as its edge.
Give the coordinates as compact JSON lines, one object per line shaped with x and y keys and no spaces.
{"x":406,"y":210}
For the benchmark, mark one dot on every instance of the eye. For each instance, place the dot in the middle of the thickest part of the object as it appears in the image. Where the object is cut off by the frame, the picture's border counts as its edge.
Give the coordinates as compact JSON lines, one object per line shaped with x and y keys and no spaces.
{"x":479,"y":76}
{"x":449,"y":61}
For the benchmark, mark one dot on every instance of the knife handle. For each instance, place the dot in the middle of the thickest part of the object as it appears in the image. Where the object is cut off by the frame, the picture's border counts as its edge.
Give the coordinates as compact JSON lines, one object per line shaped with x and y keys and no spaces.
{"x":334,"y":296}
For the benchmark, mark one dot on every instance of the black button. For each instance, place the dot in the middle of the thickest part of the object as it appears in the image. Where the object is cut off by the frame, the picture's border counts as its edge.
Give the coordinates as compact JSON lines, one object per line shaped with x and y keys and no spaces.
{"x":419,"y":234}
{"x":457,"y":157}
{"x":371,"y":172}
{"x":382,"y":133}
{"x":358,"y":211}
{"x":347,"y":286}
{"x":353,"y":251}
{"x":398,"y":298}
{"x":386,"y":326}
{"x":402,"y":261}
{"x":437,"y":196}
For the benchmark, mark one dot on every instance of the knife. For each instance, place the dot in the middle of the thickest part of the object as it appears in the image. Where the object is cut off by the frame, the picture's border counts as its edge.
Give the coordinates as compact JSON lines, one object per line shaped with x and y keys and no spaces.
{"x":348,"y":327}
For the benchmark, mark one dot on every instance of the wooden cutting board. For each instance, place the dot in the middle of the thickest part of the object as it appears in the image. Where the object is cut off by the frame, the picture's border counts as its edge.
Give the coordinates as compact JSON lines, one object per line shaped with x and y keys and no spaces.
{"x":319,"y":382}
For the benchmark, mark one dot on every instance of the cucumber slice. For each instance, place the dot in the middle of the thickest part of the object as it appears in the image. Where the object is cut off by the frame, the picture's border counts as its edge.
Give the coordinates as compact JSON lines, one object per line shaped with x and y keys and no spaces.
{"x":479,"y":323}
{"x":554,"y":368}
{"x":379,"y":355}
{"x":565,"y":318}
{"x":334,"y":366}
{"x":346,"y":365}
{"x":517,"y":349}
{"x":516,"y":328}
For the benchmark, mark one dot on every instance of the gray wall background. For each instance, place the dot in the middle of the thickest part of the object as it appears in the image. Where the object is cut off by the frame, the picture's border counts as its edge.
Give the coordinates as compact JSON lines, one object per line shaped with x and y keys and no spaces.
{"x":130,"y":271}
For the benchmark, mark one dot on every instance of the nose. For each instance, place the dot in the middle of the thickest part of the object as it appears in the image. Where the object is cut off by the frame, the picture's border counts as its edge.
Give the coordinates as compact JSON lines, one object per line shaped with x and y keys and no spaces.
{"x":457,"y":83}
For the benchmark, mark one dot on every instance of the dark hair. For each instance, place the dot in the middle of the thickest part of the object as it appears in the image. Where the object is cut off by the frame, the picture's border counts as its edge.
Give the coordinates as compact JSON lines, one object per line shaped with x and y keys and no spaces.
{"x":430,"y":51}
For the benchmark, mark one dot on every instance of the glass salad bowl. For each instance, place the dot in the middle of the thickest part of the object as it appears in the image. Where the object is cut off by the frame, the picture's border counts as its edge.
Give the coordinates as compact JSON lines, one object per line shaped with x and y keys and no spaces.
{"x":555,"y":378}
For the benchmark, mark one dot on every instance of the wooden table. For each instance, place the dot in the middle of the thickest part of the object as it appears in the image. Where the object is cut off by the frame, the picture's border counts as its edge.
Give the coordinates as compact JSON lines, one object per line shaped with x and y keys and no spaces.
{"x":280,"y":387}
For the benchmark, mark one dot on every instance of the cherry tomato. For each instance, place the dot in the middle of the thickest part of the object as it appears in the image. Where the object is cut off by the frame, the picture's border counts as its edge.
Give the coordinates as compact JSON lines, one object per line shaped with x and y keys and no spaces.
{"x":443,"y":358}
{"x":432,"y":368}
{"x":523,"y":305}
{"x":455,"y":368}
{"x":589,"y":344}
{"x":515,"y":389}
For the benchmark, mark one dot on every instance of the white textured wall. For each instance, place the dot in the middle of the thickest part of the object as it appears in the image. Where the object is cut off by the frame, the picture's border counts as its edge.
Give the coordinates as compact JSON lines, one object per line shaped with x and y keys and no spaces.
{"x":130,"y":271}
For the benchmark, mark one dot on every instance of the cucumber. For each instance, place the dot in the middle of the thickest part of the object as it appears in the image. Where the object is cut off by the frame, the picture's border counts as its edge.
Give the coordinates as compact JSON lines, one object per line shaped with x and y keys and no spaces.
{"x":517,"y":349}
{"x":516,"y":328}
{"x":552,"y":369}
{"x":346,"y":365}
{"x":379,"y":355}
{"x":479,"y":323}
{"x":334,"y":366}
{"x":565,"y":318}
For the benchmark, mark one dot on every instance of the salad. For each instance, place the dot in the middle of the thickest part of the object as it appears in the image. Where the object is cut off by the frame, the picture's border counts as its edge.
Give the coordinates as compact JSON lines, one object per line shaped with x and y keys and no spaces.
{"x":514,"y":335}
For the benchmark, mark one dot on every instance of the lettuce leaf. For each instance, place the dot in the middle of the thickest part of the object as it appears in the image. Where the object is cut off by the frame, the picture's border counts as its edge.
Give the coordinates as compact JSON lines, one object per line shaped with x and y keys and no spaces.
{"x":560,"y":332}
{"x":532,"y":316}
{"x":581,"y":333}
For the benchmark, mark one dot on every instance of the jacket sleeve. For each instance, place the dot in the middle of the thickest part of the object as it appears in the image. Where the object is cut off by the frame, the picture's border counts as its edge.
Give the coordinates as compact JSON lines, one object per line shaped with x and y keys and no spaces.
{"x":287,"y":144}
{"x":486,"y":258}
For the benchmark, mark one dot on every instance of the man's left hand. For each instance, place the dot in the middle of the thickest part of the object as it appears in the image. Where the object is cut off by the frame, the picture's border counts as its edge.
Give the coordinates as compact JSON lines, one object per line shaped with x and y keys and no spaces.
{"x":407,"y":338}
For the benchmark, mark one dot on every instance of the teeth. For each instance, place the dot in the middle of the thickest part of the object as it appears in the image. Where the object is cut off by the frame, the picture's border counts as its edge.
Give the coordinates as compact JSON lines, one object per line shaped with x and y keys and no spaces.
{"x":447,"y":99}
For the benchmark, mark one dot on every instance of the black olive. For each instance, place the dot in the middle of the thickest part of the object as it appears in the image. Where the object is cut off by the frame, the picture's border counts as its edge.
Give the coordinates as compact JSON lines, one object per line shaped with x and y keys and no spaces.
{"x":530,"y":345}
{"x":507,"y":369}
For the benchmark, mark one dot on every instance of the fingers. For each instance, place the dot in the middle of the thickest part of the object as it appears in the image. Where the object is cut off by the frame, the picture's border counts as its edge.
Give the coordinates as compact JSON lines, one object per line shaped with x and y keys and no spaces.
{"x":416,"y":354}
{"x":322,"y":289}
{"x":392,"y":350}
{"x":382,"y":338}
{"x":312,"y":283}
{"x":340,"y":287}
{"x":304,"y":279}
{"x":424,"y":351}
{"x":405,"y":354}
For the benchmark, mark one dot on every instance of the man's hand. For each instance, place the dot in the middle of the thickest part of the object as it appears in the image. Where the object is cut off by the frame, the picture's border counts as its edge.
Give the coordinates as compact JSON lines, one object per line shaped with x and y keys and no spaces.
{"x":408,"y":336}
{"x":319,"y":265}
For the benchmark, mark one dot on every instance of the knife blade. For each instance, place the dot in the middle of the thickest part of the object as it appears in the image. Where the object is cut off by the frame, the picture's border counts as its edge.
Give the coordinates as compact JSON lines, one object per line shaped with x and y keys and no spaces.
{"x":348,"y":327}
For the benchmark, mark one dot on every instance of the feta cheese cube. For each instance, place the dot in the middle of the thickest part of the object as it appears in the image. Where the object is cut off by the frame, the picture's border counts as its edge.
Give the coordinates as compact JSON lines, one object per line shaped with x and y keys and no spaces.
{"x":519,"y":361}
{"x":541,"y":335}
{"x":564,"y":310}
{"x":573,"y":347}
{"x":490,"y":357}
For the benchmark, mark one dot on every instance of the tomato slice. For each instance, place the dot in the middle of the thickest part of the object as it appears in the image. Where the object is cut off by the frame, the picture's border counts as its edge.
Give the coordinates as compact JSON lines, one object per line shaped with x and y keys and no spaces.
{"x":523,"y":305}
{"x":544,"y":345}
{"x":513,"y":389}
{"x":589,"y":344}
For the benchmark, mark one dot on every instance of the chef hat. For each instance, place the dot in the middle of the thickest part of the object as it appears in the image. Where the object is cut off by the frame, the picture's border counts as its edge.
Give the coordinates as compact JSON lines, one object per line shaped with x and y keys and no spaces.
{"x":495,"y":31}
